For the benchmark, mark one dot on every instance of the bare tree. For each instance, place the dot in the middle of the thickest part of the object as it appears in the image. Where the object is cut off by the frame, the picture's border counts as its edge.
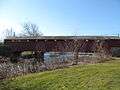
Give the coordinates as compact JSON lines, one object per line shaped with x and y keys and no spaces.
{"x":31,"y":30}
{"x":9,"y":33}
{"x":102,"y":50}
{"x":85,"y":49}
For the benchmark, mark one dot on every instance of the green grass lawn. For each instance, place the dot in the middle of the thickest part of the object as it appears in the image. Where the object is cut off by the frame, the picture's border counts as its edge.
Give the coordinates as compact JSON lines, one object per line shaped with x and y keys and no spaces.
{"x":102,"y":76}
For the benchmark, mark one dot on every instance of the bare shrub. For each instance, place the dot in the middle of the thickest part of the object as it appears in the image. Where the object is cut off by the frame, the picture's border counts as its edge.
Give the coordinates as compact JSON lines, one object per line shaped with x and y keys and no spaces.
{"x":10,"y":70}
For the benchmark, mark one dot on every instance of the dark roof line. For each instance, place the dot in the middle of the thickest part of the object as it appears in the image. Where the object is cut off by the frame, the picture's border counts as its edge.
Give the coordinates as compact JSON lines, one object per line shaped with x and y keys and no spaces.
{"x":67,"y":37}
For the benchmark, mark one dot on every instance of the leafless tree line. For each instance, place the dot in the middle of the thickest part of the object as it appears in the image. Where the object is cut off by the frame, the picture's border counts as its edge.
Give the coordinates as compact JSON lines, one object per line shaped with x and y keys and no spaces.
{"x":29,"y":30}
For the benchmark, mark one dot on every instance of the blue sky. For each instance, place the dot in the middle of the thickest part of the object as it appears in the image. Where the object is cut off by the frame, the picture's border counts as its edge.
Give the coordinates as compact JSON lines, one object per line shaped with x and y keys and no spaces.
{"x":62,"y":17}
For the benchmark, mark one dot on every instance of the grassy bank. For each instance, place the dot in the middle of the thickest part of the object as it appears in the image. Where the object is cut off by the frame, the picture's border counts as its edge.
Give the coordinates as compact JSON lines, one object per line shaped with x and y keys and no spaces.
{"x":104,"y":76}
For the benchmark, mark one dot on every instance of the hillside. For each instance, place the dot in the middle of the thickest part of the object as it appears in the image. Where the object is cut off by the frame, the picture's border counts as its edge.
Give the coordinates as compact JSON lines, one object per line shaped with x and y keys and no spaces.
{"x":102,"y":76}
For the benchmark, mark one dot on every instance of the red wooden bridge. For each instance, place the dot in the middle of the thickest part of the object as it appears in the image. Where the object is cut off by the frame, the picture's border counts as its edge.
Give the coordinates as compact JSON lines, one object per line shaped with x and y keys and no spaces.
{"x":61,"y":44}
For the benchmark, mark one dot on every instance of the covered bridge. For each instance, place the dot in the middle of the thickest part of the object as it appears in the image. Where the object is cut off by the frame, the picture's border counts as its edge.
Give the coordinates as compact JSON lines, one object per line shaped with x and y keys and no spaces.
{"x":43,"y":44}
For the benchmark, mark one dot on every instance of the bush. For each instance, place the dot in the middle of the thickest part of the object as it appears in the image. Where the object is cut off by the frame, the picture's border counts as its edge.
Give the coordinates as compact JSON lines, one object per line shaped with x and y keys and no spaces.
{"x":116,"y":52}
{"x":4,"y":50}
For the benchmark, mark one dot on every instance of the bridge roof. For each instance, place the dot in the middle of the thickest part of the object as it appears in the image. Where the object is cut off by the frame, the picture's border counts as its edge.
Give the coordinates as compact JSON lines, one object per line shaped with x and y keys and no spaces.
{"x":67,"y":37}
